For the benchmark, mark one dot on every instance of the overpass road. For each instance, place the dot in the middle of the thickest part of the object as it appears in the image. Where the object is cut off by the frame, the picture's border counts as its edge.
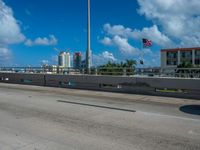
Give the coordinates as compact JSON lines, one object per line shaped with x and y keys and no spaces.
{"x":44,"y":118}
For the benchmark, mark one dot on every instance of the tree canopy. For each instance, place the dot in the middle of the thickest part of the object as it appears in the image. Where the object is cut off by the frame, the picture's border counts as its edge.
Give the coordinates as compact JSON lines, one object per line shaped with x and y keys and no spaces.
{"x":113,"y":68}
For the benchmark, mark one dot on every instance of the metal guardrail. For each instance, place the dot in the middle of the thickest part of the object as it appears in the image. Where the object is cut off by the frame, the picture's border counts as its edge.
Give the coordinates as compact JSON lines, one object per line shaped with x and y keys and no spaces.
{"x":114,"y":71}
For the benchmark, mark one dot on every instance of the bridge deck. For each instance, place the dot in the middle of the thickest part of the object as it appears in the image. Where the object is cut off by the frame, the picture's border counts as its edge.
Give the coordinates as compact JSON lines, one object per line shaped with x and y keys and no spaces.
{"x":33,"y":117}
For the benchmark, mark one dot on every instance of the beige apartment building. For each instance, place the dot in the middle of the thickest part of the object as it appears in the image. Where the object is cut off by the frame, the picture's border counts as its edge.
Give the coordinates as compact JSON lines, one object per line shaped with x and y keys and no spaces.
{"x":171,"y":58}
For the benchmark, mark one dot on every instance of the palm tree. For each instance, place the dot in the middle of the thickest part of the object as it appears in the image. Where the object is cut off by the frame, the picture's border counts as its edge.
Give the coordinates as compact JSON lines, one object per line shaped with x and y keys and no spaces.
{"x":112,"y":68}
{"x":130,"y":64}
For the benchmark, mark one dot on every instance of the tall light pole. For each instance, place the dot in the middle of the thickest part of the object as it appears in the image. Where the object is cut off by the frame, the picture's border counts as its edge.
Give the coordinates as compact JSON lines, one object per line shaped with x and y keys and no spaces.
{"x":88,"y":52}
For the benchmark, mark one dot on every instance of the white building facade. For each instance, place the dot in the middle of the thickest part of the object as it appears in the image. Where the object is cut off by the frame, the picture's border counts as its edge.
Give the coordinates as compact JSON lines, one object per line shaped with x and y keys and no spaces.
{"x":64,"y":60}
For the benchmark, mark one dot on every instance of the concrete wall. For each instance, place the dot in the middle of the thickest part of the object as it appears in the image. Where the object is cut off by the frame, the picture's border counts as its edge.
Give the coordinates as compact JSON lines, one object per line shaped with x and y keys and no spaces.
{"x":163,"y":59}
{"x":30,"y":79}
{"x":110,"y":83}
{"x":164,"y":67}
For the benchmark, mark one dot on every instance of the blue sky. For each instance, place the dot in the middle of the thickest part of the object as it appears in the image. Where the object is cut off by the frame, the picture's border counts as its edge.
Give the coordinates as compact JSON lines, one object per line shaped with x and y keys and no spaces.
{"x":33,"y":32}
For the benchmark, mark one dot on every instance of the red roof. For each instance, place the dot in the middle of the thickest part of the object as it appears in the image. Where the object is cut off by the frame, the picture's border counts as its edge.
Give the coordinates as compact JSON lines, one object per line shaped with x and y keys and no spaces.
{"x":180,"y":49}
{"x":77,"y":53}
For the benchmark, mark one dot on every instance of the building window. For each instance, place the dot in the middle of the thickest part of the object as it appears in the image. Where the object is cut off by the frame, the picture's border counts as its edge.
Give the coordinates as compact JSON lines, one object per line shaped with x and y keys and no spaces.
{"x":186,"y":54}
{"x":197,"y":61}
{"x":186,"y":57}
{"x":172,"y":58}
{"x":197,"y":57}
{"x":171,"y":63}
{"x":197,"y":54}
{"x":172,"y":54}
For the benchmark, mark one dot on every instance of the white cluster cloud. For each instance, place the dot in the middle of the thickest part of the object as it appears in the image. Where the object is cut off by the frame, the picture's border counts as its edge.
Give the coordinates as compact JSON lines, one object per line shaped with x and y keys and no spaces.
{"x":10,"y":32}
{"x":128,"y":33}
{"x":109,"y":56}
{"x":121,"y":43}
{"x":124,"y":46}
{"x":44,"y":62}
{"x":106,"y":41}
{"x":179,"y":19}
{"x":154,"y":34}
{"x":120,"y":36}
{"x":175,"y":24}
{"x":103,"y":58}
{"x":5,"y":55}
{"x":42,"y":41}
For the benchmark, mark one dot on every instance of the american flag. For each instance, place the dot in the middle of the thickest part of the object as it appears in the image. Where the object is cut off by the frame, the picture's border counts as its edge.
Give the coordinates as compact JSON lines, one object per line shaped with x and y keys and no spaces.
{"x":147,"y":43}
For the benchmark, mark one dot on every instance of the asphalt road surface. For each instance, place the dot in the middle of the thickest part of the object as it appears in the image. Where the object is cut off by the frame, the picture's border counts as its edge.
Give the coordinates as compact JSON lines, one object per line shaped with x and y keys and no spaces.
{"x":43,"y":118}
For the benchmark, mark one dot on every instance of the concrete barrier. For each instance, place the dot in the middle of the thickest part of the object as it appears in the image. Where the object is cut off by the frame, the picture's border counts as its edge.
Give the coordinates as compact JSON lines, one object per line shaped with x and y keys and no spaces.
{"x":186,"y":88}
{"x":85,"y":81}
{"x":30,"y":79}
{"x":171,"y":83}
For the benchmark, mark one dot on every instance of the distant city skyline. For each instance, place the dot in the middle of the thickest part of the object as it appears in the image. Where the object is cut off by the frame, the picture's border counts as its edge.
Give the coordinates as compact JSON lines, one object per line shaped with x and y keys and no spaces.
{"x":35,"y":31}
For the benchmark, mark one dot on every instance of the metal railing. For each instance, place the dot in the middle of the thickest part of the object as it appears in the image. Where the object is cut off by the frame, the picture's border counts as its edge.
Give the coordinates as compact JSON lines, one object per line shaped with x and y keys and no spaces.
{"x":114,"y":71}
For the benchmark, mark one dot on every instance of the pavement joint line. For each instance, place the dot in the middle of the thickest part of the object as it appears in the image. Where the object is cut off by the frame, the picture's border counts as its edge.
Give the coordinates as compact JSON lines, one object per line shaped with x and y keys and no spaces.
{"x":98,"y":106}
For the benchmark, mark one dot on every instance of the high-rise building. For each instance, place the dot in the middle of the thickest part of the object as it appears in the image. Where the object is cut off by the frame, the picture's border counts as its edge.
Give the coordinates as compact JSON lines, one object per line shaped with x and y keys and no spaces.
{"x":64,"y":60}
{"x":61,"y":59}
{"x":83,"y":64}
{"x":77,"y":60}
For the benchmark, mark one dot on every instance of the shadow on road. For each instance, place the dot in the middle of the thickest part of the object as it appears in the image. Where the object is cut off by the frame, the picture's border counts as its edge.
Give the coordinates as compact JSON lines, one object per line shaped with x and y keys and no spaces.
{"x":191,"y":109}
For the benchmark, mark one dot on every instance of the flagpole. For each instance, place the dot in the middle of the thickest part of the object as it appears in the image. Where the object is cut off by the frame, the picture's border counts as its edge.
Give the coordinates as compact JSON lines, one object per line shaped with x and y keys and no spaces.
{"x":142,"y":48}
{"x":145,"y":43}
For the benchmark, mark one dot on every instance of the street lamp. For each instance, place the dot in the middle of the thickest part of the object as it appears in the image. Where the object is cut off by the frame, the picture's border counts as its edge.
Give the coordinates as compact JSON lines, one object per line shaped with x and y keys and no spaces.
{"x":88,"y":52}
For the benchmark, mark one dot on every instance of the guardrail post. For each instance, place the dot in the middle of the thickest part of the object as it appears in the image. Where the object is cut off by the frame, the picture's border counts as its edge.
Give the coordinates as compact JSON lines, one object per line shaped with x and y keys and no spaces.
{"x":83,"y":71}
{"x":45,"y":81}
{"x":124,"y":71}
{"x":96,"y":71}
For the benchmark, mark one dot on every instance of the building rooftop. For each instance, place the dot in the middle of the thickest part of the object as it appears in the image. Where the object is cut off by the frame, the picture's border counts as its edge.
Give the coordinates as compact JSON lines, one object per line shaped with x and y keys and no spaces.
{"x":180,"y":49}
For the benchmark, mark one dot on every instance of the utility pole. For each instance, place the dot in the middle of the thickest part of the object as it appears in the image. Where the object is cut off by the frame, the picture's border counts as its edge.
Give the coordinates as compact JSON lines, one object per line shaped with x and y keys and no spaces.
{"x":88,"y":52}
